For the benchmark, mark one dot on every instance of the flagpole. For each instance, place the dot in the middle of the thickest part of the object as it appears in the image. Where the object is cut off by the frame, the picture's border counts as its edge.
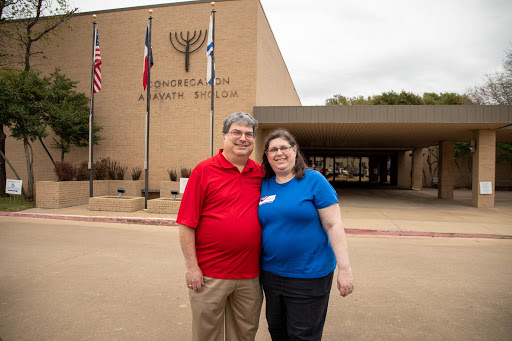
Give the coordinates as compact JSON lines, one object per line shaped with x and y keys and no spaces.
{"x":212,"y":81}
{"x":91,"y":115}
{"x":148,"y":99}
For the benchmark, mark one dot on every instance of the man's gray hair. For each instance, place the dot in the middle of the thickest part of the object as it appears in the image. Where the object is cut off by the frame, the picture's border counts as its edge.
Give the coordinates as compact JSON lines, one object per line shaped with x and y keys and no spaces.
{"x":240,"y":118}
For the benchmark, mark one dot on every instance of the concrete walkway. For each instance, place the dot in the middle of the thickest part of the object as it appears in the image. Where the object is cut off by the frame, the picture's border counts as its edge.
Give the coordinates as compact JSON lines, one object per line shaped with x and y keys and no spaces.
{"x":364,"y":211}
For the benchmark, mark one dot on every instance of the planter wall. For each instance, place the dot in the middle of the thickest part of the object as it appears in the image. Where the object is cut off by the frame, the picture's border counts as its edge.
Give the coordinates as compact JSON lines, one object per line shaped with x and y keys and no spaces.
{"x":115,"y":204}
{"x":60,"y":194}
{"x":164,"y":206}
{"x":167,"y":186}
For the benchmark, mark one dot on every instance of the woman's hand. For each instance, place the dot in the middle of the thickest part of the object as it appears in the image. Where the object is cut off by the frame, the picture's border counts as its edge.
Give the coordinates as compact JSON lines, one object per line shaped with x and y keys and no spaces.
{"x":345,"y":283}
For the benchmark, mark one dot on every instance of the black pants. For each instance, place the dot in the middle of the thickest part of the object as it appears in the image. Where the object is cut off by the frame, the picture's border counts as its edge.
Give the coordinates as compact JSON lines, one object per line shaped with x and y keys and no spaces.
{"x":296,"y":307}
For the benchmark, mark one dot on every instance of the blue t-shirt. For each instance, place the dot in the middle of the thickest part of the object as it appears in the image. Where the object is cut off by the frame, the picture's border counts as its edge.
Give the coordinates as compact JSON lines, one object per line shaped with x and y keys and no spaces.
{"x":294,"y":243}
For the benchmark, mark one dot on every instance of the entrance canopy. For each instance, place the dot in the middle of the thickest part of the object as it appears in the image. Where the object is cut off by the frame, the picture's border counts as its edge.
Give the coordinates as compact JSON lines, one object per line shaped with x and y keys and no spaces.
{"x":383,"y":127}
{"x":330,"y":132}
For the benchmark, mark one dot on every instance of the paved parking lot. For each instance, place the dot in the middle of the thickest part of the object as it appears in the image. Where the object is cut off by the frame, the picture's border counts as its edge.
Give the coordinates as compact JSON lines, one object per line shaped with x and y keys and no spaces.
{"x":72,"y":280}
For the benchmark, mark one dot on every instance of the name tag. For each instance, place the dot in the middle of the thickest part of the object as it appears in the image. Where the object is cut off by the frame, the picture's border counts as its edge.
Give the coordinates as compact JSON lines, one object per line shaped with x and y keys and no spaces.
{"x":267,"y":200}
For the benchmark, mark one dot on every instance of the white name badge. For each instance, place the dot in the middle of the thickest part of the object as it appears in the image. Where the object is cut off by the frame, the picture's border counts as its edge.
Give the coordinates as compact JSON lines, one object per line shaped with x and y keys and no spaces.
{"x":267,"y":199}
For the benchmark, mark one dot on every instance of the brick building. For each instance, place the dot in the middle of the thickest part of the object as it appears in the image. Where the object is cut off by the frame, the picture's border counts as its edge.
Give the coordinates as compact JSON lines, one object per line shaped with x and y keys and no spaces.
{"x":365,"y":144}
{"x":249,"y":71}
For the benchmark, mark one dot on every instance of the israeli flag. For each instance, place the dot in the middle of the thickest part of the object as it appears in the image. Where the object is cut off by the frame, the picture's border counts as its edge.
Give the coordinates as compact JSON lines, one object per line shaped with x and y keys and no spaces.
{"x":209,"y":54}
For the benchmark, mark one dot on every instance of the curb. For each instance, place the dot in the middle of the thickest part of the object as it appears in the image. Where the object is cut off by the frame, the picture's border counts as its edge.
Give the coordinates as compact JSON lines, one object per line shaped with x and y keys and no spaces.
{"x":172,"y":222}
{"x":424,"y":234}
{"x":96,"y":219}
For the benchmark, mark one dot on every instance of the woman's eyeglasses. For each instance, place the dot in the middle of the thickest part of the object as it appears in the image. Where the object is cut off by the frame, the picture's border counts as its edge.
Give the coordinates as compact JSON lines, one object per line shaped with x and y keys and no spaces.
{"x":284,"y":149}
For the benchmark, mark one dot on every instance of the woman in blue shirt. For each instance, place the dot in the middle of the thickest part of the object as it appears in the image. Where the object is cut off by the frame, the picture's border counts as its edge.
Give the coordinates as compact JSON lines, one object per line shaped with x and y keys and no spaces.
{"x":302,"y":241}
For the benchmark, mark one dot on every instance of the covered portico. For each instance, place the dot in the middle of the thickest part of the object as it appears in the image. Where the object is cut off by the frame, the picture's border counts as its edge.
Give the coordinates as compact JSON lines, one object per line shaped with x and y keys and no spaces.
{"x":402,"y":129}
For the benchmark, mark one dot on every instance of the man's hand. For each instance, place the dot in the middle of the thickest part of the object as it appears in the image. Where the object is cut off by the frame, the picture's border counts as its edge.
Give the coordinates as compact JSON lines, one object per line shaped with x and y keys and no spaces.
{"x":194,"y":279}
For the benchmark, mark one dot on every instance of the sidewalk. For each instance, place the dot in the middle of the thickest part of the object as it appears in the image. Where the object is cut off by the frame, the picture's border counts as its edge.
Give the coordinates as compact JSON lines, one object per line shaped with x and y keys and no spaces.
{"x":386,"y":212}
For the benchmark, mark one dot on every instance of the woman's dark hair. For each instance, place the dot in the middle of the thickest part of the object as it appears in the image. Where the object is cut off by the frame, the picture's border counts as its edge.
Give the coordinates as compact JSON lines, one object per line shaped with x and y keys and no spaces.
{"x":300,"y":165}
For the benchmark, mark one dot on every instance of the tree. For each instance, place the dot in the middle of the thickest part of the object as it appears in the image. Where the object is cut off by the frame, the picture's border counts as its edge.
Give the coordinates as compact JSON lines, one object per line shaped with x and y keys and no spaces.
{"x":68,"y":114}
{"x":461,"y":150}
{"x":445,"y":98}
{"x":402,"y":98}
{"x":408,"y":98}
{"x":497,"y":88}
{"x":342,"y":100}
{"x":28,"y":22}
{"x":504,"y":151}
{"x":392,"y":98}
{"x":23,"y":24}
{"x":26,"y":94}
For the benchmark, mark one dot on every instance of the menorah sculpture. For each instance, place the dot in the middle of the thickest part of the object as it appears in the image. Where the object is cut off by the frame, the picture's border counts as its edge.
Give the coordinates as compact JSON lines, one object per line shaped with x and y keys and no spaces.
{"x":187,"y":43}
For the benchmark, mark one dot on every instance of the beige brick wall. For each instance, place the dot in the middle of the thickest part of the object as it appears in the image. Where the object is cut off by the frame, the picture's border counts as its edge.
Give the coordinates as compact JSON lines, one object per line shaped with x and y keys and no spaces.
{"x":180,"y":122}
{"x":273,"y":81}
{"x":60,"y":194}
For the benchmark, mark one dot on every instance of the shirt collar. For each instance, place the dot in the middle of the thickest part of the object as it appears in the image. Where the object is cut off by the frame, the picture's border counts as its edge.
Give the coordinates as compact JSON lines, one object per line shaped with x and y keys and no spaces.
{"x":224,"y":163}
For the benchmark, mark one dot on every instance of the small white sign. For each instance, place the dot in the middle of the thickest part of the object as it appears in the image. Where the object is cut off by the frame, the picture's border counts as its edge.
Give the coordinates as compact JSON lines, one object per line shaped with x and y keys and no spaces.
{"x":13,"y":186}
{"x":183,"y":184}
{"x":485,"y":187}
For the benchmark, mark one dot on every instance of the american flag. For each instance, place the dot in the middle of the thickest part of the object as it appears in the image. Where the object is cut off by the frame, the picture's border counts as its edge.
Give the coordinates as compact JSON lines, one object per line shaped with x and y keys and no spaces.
{"x":97,"y":64}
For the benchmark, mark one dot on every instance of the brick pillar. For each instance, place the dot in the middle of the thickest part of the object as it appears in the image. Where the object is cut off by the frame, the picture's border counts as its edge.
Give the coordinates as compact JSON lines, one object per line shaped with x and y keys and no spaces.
{"x":484,"y":164}
{"x":446,"y":170}
{"x":404,"y":170}
{"x":417,"y":168}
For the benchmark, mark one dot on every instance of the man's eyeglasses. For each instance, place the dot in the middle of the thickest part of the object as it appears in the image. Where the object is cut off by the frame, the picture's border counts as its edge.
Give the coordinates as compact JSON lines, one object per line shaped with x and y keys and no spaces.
{"x":284,"y":149}
{"x":238,"y":134}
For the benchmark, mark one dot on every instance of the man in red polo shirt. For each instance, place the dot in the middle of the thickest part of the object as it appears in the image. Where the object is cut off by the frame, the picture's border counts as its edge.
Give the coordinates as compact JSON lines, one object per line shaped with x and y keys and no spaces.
{"x":220,"y":237}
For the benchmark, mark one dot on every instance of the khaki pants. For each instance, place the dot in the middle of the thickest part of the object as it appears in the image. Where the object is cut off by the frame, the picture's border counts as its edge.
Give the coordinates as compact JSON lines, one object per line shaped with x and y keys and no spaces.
{"x":229,"y":307}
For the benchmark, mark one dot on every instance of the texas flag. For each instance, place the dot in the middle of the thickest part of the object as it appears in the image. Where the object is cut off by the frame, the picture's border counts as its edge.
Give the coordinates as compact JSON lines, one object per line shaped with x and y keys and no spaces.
{"x":146,"y":53}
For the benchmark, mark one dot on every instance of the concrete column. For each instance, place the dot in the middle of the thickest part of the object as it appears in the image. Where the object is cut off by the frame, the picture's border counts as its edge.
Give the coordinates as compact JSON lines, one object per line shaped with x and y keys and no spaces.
{"x":374,"y":169}
{"x":484,"y":166}
{"x":417,"y":169}
{"x":404,"y":169}
{"x":446,"y":170}
{"x":383,"y":170}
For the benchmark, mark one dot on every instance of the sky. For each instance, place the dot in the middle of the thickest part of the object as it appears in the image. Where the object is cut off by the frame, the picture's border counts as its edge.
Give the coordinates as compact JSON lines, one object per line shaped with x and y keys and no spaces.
{"x":366,"y":47}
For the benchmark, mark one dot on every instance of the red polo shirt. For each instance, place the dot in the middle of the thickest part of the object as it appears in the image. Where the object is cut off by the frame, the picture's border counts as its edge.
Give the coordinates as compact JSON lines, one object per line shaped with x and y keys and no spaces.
{"x":222,"y":205}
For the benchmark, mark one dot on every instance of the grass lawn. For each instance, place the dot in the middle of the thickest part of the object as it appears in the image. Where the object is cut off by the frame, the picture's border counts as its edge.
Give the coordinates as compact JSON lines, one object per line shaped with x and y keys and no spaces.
{"x":20,"y":204}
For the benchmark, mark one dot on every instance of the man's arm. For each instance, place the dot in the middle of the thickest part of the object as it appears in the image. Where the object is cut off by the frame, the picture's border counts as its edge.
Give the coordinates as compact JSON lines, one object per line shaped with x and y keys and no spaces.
{"x":193,"y":274}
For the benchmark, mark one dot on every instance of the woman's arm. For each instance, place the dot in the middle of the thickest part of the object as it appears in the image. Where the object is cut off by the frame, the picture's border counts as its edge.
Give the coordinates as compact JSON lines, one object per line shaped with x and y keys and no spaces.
{"x":333,"y":226}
